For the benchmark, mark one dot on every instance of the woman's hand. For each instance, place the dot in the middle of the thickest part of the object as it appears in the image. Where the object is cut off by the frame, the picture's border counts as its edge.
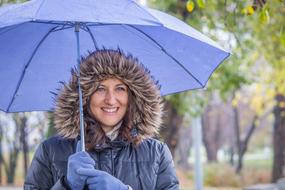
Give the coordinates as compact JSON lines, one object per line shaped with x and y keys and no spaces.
{"x":77,"y":161}
{"x":101,"y":180}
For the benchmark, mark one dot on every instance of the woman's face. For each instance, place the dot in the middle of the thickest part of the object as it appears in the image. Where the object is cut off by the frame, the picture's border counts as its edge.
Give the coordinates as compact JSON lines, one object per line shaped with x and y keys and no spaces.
{"x":109,"y":103}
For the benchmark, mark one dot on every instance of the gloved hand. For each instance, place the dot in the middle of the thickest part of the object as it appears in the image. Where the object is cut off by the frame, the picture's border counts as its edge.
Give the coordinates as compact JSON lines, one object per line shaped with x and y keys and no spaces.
{"x":100,"y":180}
{"x":77,"y":161}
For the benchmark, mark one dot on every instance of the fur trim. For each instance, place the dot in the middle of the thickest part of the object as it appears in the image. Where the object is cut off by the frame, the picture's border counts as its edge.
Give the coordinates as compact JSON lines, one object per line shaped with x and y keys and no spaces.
{"x":99,"y":66}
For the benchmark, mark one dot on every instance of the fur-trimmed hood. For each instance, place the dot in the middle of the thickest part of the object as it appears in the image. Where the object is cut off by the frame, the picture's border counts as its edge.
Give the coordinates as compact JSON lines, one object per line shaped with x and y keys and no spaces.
{"x":99,"y":66}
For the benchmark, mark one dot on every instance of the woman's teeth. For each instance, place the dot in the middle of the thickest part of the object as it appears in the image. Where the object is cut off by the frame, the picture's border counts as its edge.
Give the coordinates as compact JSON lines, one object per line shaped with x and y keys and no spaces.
{"x":109,"y":110}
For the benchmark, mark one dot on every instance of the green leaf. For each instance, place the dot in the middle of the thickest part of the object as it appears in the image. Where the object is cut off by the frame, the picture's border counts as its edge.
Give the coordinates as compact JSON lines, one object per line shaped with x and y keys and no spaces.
{"x":264,"y":16}
{"x":282,"y":38}
{"x":201,"y":3}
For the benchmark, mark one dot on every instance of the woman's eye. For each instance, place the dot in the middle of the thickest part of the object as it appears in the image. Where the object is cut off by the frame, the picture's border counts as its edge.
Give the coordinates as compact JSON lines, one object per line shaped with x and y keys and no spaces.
{"x":100,"y":89}
{"x":121,"y":88}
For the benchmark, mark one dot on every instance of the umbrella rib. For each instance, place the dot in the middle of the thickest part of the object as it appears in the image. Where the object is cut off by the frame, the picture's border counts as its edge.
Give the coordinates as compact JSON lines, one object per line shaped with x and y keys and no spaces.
{"x":92,"y":37}
{"x":27,"y":65}
{"x":8,"y":28}
{"x":168,"y":54}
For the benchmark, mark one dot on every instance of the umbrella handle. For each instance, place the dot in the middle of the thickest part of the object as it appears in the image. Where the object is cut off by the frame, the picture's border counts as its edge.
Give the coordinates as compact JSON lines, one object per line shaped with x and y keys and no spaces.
{"x":81,"y":117}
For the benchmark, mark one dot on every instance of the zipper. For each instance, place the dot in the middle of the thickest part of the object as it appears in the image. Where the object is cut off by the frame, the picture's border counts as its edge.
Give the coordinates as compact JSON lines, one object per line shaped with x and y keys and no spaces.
{"x":112,"y":161}
{"x":99,"y":160}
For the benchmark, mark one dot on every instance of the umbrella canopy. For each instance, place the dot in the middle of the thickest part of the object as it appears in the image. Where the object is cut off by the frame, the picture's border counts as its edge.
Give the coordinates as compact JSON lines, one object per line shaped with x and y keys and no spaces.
{"x":38,"y":47}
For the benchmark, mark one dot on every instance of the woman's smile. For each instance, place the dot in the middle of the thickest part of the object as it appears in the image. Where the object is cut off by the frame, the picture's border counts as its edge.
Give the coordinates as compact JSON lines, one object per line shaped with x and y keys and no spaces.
{"x":109,"y":103}
{"x":110,"y":110}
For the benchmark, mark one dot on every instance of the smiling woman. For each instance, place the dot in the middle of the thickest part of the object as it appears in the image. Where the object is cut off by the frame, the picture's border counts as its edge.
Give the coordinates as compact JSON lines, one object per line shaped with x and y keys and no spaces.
{"x":123,"y":110}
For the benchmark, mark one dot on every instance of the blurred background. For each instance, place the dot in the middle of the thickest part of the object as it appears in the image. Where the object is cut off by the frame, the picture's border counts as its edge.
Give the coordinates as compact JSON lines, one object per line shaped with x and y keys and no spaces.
{"x":242,"y":109}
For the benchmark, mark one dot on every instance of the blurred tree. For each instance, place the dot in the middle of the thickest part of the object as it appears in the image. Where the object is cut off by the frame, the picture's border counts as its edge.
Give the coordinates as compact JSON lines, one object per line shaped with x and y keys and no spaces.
{"x":271,"y":37}
{"x":213,"y":126}
{"x":184,"y":145}
{"x":13,"y":138}
{"x":268,"y":25}
{"x":252,"y":29}
{"x":227,"y":79}
{"x":21,"y":121}
{"x":173,"y":123}
{"x":51,"y":130}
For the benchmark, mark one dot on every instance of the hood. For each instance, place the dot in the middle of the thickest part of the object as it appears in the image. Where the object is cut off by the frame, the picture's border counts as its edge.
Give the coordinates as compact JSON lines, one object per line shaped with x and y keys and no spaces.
{"x":99,"y":66}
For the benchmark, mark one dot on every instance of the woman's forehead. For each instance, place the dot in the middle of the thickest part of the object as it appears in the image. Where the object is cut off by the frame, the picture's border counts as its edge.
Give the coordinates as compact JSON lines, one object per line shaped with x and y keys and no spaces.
{"x":112,"y":81}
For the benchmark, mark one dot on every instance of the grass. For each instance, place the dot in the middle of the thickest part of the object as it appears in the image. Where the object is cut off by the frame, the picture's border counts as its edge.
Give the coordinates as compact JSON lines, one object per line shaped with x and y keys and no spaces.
{"x":264,"y":163}
{"x":222,"y":176}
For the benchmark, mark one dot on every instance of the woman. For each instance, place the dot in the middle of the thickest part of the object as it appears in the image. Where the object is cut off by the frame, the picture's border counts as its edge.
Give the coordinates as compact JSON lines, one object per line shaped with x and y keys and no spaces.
{"x":122,"y":112}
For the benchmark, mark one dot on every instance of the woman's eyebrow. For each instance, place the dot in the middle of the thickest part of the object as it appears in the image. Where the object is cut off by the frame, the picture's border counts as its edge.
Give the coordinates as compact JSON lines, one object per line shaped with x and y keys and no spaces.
{"x":121,"y":85}
{"x":101,"y":85}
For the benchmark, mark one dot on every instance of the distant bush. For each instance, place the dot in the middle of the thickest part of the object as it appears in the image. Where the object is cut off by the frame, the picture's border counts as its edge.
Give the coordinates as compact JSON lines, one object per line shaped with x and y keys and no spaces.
{"x":220,"y":175}
{"x":255,"y":175}
{"x":223,"y":175}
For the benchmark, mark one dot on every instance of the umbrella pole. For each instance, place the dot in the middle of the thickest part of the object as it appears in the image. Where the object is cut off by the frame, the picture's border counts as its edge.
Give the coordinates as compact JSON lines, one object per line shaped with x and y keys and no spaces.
{"x":81,"y":120}
{"x":197,"y":137}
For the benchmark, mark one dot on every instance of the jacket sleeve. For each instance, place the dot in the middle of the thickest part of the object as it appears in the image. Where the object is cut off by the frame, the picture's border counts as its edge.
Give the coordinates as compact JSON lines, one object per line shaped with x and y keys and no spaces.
{"x":40,"y":174}
{"x":166,"y":177}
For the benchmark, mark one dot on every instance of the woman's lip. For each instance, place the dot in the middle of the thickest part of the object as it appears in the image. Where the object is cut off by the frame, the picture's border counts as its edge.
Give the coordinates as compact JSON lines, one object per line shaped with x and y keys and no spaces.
{"x":110,"y":110}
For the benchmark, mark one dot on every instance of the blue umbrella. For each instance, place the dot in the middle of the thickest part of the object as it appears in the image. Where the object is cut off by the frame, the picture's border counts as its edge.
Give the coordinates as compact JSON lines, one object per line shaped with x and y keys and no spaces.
{"x":38,"y":46}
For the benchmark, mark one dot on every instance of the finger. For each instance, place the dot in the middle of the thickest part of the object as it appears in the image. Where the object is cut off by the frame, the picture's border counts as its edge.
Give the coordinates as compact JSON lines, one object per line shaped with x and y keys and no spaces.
{"x":92,"y":180}
{"x":89,"y":172}
{"x":85,"y":160}
{"x":93,"y":186}
{"x":86,"y":166}
{"x":81,"y":154}
{"x":84,"y":157}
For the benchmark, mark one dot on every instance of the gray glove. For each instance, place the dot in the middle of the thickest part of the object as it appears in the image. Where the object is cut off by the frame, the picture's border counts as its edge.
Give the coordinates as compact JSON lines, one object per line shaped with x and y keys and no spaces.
{"x":76,"y":161}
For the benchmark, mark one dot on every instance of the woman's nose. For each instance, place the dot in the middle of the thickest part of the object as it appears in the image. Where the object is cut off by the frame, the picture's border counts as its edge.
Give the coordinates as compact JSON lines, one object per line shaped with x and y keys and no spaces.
{"x":110,"y":98}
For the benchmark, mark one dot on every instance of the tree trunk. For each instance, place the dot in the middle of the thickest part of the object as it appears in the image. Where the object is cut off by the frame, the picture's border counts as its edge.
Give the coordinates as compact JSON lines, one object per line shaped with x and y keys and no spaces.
{"x":51,"y":130}
{"x":231,"y":154}
{"x":170,"y":133}
{"x":211,"y":132}
{"x":184,"y":147}
{"x":238,"y":140}
{"x":13,"y":157}
{"x":20,"y":120}
{"x":278,"y":139}
{"x":214,"y":124}
{"x":242,"y":144}
{"x":24,"y":144}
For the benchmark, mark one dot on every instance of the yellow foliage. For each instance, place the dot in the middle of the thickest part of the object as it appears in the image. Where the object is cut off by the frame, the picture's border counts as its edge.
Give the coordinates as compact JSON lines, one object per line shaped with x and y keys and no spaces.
{"x":280,"y":80}
{"x":264,"y":16}
{"x":249,"y":10}
{"x":261,"y":98}
{"x":238,"y":96}
{"x":271,"y":117}
{"x":282,"y":38}
{"x":258,"y":88}
{"x":190,"y":6}
{"x":234,"y":102}
{"x":270,"y":94}
{"x":257,"y":103}
{"x":282,"y":105}
{"x":257,"y":122}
